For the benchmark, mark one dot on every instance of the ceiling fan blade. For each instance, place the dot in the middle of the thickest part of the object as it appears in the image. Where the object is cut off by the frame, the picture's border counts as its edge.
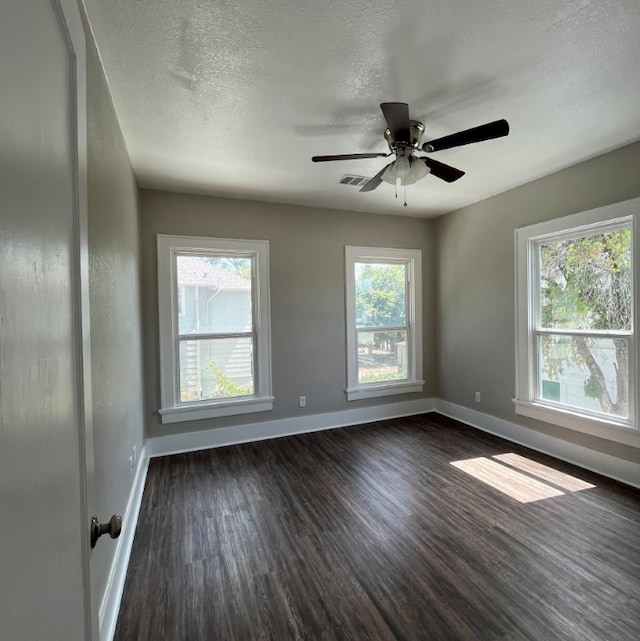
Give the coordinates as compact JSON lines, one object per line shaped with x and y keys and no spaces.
{"x":376,"y":180}
{"x":347,"y":157}
{"x":397,"y":116}
{"x":444,"y":172}
{"x":495,"y":129}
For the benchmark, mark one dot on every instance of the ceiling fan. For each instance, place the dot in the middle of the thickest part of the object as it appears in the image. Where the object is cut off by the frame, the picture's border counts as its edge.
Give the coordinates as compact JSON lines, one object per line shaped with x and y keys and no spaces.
{"x":404,"y":137}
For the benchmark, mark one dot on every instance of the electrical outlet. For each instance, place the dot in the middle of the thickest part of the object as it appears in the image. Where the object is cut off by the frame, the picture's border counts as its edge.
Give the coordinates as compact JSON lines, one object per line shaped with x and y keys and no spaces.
{"x":478,"y":397}
{"x":131,"y":465}
{"x":302,"y":401}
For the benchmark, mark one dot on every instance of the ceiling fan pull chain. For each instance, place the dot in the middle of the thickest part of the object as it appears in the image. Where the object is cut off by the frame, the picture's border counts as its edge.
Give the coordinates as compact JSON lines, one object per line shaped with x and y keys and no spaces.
{"x":405,"y":195}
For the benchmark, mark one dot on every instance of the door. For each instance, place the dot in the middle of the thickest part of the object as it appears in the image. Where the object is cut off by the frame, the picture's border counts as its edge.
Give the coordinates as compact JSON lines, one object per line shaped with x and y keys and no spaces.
{"x":44,"y":410}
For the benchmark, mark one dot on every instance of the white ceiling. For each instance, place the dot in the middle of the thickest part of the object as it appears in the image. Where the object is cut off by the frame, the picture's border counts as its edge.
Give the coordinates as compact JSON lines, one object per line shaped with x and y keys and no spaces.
{"x":233,"y":97}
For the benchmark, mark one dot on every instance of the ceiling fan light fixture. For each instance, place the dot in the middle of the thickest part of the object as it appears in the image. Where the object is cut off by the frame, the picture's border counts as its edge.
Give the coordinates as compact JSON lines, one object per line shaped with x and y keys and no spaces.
{"x":407,"y":170}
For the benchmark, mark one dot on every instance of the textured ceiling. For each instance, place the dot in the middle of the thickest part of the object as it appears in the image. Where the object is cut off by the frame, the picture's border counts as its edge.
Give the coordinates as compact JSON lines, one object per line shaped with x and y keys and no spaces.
{"x":234,"y":97}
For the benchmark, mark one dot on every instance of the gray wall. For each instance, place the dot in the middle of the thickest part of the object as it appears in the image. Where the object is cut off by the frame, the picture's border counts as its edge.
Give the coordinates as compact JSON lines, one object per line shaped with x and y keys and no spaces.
{"x":475,"y":295}
{"x":115,"y":301}
{"x":307,"y":293}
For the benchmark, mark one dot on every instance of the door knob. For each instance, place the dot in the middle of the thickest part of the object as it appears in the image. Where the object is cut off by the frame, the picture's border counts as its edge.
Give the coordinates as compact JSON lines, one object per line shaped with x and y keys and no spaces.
{"x":113,"y":528}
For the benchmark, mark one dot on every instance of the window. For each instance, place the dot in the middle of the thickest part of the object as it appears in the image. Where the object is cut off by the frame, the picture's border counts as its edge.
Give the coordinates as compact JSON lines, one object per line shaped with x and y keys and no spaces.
{"x":213,"y":300}
{"x":384,"y":321}
{"x":576,"y":350}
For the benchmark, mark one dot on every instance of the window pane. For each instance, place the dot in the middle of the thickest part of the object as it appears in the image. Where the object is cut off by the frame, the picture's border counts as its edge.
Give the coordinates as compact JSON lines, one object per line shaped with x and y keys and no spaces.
{"x":217,"y":368}
{"x":382,"y":356}
{"x":216,"y":294}
{"x":380,"y":294}
{"x":585,"y":283}
{"x":585,"y":373}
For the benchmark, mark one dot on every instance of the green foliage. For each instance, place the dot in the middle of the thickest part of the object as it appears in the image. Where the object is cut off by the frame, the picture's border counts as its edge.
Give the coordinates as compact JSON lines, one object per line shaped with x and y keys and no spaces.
{"x":593,"y":389}
{"x":381,"y":377}
{"x":187,"y":395}
{"x":239,"y":266}
{"x":224,"y":387}
{"x":557,"y":352}
{"x":380,"y":295}
{"x":586,"y":283}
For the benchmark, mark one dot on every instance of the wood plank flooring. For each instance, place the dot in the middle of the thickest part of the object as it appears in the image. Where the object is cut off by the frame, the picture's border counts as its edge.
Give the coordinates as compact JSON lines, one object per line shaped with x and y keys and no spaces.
{"x":369,"y":533}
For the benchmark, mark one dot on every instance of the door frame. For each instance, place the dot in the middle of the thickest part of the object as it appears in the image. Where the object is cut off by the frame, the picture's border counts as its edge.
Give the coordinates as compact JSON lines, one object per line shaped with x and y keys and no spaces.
{"x":70,"y":18}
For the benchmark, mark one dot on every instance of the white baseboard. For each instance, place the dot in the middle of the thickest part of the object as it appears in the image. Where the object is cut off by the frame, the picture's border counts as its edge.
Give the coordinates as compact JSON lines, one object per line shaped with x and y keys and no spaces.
{"x":618,"y":469}
{"x":192,"y":441}
{"x":110,"y":605}
{"x":622,"y":470}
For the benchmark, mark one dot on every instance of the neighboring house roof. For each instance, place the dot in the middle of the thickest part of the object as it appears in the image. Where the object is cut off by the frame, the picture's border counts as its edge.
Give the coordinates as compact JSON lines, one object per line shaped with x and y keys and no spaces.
{"x":194,"y":270}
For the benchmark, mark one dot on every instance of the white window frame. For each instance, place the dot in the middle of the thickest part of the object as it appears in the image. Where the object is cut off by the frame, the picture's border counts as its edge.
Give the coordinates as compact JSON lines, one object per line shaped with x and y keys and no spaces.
{"x":412,"y":258}
{"x":181,"y":300}
{"x":172,"y":409}
{"x":527,"y":241}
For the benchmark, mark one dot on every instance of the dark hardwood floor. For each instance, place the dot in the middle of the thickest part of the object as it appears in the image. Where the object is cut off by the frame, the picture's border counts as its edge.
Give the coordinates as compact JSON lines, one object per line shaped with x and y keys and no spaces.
{"x":370,"y":533}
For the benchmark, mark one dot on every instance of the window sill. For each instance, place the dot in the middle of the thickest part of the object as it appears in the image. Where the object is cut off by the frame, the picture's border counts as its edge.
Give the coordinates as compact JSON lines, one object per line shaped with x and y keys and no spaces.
{"x":611,"y":430}
{"x":383,"y":389}
{"x":216,"y":409}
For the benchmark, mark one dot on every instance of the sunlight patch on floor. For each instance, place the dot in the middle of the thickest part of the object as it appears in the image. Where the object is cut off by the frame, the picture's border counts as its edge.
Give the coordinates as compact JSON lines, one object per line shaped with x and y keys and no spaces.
{"x":501,"y":475}
{"x":544,"y":472}
{"x":518,"y":486}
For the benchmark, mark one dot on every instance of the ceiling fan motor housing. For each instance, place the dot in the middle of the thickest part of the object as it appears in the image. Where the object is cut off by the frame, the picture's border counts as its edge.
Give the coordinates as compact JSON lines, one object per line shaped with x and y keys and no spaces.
{"x":405,"y":147}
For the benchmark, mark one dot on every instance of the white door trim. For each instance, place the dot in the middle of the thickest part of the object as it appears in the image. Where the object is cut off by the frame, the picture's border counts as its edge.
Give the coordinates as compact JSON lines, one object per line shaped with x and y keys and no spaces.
{"x":71,"y":21}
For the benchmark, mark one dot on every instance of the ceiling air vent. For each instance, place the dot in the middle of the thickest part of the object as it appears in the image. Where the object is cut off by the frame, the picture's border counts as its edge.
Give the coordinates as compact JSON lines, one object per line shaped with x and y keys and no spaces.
{"x":355,"y":181}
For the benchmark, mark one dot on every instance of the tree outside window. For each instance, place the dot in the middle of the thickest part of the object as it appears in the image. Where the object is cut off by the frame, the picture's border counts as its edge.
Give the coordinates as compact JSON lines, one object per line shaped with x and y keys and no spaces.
{"x":586,"y":289}
{"x":576,"y":349}
{"x":383,"y":322}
